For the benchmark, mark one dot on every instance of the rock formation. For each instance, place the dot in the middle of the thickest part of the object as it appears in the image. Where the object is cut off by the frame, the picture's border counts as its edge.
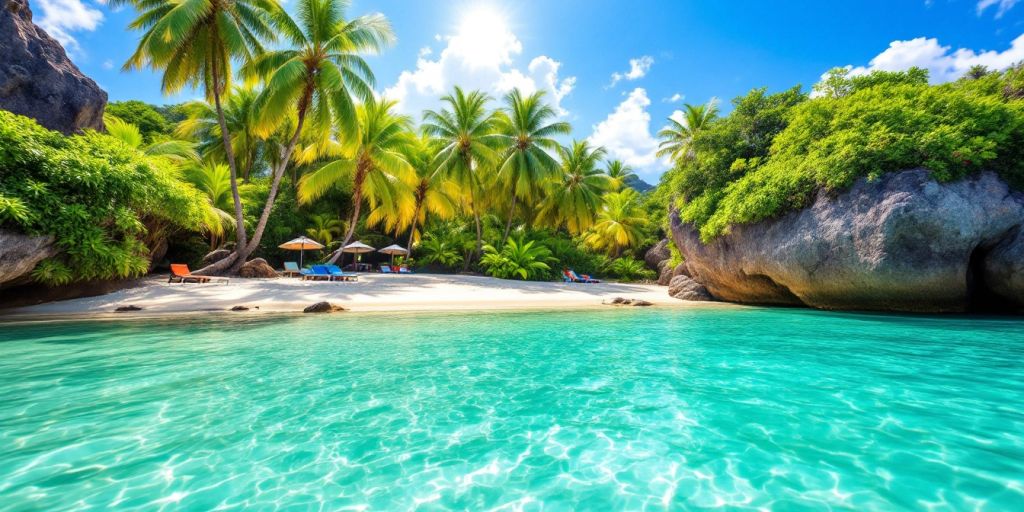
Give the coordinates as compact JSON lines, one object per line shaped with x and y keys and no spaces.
{"x":900,"y":243}
{"x":257,"y":267}
{"x":39,"y":81}
{"x":20,"y":253}
{"x":685,"y":288}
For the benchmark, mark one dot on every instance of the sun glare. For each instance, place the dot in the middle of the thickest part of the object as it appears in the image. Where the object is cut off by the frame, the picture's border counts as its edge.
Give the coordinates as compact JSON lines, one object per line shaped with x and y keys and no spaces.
{"x":484,"y":36}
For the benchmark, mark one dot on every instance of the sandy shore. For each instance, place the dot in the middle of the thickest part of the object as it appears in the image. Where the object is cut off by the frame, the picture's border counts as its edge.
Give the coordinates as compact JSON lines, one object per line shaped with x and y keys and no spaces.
{"x":373,"y":292}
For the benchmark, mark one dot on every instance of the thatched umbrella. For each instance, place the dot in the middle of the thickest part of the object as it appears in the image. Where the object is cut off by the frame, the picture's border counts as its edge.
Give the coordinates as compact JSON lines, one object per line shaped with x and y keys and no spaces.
{"x":301,"y":244}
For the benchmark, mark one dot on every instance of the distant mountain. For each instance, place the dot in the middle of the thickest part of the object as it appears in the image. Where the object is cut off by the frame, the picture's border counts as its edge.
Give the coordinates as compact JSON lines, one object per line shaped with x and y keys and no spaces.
{"x":638,"y":184}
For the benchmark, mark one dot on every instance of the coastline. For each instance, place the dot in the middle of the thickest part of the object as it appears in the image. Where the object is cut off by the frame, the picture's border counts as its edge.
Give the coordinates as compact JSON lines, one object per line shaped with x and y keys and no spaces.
{"x":374,"y":293}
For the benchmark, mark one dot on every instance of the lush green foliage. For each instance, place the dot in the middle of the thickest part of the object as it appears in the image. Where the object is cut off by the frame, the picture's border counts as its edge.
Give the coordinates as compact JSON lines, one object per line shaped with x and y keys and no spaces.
{"x":100,"y":198}
{"x":773,"y":152}
{"x":151,"y":122}
{"x":518,"y":259}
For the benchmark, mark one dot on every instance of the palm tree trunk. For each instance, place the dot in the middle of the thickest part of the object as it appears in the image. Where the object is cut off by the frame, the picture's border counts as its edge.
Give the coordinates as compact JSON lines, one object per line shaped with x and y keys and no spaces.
{"x":508,"y":225}
{"x":357,"y":199}
{"x":476,"y":219}
{"x":257,"y":234}
{"x":412,"y":228}
{"x":240,"y":234}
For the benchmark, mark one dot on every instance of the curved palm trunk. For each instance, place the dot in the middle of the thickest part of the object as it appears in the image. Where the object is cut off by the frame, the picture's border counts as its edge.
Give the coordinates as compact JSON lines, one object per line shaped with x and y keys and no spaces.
{"x":511,"y":215}
{"x":240,"y":234}
{"x":257,"y":234}
{"x":357,"y":199}
{"x":412,"y":227}
{"x":476,"y":219}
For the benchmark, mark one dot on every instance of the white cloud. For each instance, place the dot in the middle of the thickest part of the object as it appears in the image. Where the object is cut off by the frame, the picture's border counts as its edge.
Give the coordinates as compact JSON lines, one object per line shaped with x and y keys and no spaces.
{"x":425,"y":51}
{"x":638,"y":67}
{"x":675,"y":98}
{"x":108,"y":64}
{"x":62,"y":17}
{"x":943,"y":63}
{"x":626,"y":135}
{"x":479,"y":56}
{"x":1001,"y":6}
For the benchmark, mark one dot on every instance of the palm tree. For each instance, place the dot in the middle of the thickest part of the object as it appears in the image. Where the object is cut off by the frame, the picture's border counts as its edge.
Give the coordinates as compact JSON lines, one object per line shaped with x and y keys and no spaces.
{"x":432,"y":191}
{"x":528,"y":138}
{"x":176,"y":151}
{"x":214,"y":181}
{"x":377,"y":169}
{"x":316,"y":79}
{"x":575,"y":198}
{"x":619,"y":174}
{"x":677,"y":137}
{"x":202,"y":124}
{"x":325,"y":229}
{"x":619,"y":223}
{"x":468,"y":138}
{"x":195,"y":43}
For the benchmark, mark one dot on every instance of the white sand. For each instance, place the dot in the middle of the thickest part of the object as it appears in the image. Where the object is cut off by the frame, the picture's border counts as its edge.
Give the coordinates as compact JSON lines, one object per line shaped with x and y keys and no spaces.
{"x":373,"y":292}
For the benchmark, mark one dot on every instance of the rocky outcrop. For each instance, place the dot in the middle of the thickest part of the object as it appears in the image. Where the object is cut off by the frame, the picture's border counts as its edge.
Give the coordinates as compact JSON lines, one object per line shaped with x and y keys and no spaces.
{"x":258,"y":268}
{"x":323,"y":307}
{"x":685,"y":288}
{"x":900,"y":243}
{"x":39,"y":81}
{"x":657,"y":254}
{"x":19,"y":254}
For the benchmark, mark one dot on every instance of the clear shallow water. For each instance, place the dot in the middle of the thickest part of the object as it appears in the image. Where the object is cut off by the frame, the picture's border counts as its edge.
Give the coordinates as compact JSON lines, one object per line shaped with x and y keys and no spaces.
{"x":617,"y":409}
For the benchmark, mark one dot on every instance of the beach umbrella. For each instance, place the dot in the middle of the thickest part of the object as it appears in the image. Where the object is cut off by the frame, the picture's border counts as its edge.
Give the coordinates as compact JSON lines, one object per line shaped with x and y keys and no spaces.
{"x":357,"y":247}
{"x":393,"y":250}
{"x":301,"y":244}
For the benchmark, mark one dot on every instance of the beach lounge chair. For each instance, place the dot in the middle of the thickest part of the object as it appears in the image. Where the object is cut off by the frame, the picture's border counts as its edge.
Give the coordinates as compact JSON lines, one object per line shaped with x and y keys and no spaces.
{"x":339,"y":275}
{"x":580,"y":279}
{"x":386,"y":269}
{"x":291,"y":269}
{"x":181,"y":274}
{"x":404,"y":270}
{"x":317,"y":273}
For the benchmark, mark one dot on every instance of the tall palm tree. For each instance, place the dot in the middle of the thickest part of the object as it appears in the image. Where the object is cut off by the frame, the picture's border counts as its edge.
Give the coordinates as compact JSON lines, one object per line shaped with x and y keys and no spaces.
{"x":619,"y":174}
{"x":195,"y":43}
{"x":377,"y":169}
{"x":528,"y":136}
{"x":432,"y":191}
{"x":316,"y":79}
{"x":469,"y":142}
{"x":576,"y":196}
{"x":677,"y":137}
{"x":202,"y":124}
{"x":619,"y":223}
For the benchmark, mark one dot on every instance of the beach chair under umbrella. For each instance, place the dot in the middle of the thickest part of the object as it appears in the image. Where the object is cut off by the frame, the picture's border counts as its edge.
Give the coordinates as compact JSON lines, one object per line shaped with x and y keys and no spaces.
{"x":301,"y":244}
{"x":392,"y":250}
{"x":357,"y":248}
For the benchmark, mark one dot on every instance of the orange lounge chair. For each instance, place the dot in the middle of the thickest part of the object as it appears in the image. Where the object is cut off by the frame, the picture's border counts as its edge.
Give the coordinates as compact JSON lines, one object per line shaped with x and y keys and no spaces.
{"x":181,"y":274}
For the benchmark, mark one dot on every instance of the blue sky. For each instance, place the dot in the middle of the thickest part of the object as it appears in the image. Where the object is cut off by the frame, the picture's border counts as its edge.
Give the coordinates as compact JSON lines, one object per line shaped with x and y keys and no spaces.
{"x":615,"y":69}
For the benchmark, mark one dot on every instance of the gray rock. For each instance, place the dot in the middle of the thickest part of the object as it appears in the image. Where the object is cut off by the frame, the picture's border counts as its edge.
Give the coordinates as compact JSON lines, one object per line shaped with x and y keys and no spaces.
{"x":240,"y":308}
{"x":215,"y":256}
{"x":258,"y":268}
{"x":684,"y":288}
{"x":129,"y":308}
{"x":38,"y":80}
{"x":323,"y":307}
{"x":640,"y":302}
{"x":900,"y":243}
{"x":19,"y":254}
{"x":657,"y":254}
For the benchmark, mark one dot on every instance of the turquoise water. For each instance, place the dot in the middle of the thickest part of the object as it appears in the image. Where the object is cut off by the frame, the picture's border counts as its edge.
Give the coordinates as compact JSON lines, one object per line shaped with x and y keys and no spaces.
{"x":730,"y":408}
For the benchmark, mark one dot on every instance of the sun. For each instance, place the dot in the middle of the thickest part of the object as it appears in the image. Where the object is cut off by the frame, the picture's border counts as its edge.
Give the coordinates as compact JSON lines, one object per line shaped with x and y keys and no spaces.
{"x":484,"y":36}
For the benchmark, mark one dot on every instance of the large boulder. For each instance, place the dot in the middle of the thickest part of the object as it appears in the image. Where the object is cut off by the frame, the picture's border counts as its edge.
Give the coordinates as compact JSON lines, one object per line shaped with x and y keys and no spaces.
{"x":257,"y":267}
{"x":39,"y":81}
{"x":902,"y":242}
{"x":684,"y":288}
{"x":19,"y":254}
{"x":657,"y":254}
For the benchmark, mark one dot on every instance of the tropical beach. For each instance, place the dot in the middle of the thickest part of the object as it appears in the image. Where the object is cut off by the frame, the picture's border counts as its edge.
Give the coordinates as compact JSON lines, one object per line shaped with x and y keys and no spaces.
{"x":511,"y":256}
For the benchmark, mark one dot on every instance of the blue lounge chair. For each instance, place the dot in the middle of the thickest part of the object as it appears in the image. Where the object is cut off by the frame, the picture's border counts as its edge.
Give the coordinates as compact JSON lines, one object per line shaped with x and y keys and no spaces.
{"x":386,"y":269}
{"x":339,"y":275}
{"x":291,"y":269}
{"x":581,"y":279}
{"x":404,"y":270}
{"x":317,"y":273}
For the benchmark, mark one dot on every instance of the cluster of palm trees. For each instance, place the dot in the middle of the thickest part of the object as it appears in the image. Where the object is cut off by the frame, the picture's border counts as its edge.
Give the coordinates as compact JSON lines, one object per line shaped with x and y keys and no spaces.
{"x":294,"y":94}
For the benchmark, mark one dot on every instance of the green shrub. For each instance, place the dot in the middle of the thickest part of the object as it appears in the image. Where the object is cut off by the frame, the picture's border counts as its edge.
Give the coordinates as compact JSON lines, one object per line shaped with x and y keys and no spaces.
{"x":889,"y":123}
{"x":518,"y":259}
{"x":100,"y":198}
{"x":629,"y":269}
